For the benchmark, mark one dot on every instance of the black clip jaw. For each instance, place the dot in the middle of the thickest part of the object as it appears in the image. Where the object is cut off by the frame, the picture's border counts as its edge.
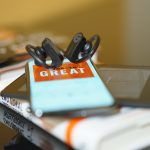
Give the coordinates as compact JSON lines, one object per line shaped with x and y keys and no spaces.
{"x":79,"y":49}
{"x":40,"y":54}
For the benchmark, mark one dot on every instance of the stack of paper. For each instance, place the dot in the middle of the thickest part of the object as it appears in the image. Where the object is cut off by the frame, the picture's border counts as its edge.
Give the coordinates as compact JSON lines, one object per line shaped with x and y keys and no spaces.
{"x":90,"y":133}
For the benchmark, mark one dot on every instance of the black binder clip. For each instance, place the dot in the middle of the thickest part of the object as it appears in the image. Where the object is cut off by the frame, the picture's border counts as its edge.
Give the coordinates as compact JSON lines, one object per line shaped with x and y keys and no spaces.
{"x":48,"y":49}
{"x":78,"y":50}
{"x":81,"y":49}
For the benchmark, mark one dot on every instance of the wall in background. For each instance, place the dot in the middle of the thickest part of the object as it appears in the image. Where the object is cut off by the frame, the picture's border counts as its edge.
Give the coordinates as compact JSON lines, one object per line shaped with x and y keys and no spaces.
{"x":122,"y":24}
{"x":136,"y":32}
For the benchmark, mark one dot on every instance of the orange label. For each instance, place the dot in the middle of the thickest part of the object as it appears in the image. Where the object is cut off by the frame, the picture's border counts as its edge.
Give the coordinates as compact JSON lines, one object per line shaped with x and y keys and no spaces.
{"x":66,"y":71}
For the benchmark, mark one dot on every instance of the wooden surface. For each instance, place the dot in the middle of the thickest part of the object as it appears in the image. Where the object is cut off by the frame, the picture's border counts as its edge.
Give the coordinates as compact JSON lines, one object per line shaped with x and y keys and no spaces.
{"x":5,"y":135}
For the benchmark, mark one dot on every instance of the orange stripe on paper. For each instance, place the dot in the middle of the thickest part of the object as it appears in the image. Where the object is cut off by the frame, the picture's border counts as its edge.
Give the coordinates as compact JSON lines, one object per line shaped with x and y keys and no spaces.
{"x":70,"y":128}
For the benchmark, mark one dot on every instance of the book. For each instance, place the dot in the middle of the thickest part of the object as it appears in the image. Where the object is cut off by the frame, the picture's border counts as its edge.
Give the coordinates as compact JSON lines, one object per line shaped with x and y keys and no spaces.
{"x":129,"y":84}
{"x":86,"y":133}
{"x":21,"y":96}
{"x":69,"y":88}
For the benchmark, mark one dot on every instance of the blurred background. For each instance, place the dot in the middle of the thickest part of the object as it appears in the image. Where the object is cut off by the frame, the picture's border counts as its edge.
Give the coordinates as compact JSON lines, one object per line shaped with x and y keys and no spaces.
{"x":123,"y":26}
